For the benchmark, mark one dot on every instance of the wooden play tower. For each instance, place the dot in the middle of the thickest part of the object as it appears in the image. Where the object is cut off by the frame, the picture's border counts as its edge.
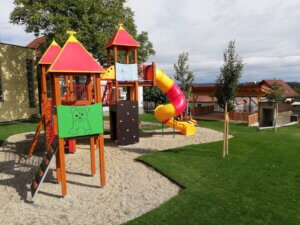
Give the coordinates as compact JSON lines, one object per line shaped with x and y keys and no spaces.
{"x":76,"y":114}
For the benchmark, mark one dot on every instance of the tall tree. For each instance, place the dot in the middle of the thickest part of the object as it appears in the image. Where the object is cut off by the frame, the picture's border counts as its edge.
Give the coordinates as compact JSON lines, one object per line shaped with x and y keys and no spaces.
{"x":94,"y":21}
{"x":275,"y":96}
{"x":183,"y":75}
{"x":226,"y":86}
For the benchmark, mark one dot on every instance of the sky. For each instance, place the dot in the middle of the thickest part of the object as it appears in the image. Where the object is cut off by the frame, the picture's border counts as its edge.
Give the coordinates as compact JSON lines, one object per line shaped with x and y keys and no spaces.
{"x":266,"y":33}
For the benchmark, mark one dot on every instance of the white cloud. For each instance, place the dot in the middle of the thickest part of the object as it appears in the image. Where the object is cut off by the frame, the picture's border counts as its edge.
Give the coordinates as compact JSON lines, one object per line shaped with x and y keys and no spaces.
{"x":266,"y":34}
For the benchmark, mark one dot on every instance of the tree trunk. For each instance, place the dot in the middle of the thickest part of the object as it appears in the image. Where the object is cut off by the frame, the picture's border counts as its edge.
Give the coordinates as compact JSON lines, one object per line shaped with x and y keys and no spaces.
{"x":276,"y":115}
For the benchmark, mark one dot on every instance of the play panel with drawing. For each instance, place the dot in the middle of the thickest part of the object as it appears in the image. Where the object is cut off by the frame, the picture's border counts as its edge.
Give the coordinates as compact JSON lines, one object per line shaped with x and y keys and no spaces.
{"x":76,"y":121}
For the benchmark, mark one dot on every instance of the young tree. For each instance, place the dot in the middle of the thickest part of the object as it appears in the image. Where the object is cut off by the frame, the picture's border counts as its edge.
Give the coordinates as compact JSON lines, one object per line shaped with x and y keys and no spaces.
{"x":154,"y":94}
{"x":183,"y":74}
{"x":275,"y":96}
{"x":226,"y":86}
{"x":94,"y":21}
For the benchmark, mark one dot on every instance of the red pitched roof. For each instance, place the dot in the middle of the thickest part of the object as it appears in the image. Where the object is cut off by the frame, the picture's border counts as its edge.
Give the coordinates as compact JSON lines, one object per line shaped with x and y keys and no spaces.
{"x":37,"y":42}
{"x":288,"y":90}
{"x":74,"y":58}
{"x":122,"y":38}
{"x":50,"y":54}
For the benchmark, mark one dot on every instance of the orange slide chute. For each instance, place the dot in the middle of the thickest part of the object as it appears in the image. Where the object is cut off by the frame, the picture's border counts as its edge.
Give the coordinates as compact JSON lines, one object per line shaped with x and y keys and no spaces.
{"x":166,"y":113}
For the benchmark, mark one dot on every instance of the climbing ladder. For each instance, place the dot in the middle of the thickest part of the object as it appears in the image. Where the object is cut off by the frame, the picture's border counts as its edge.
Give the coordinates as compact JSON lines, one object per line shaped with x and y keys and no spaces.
{"x":43,"y":169}
{"x":47,"y":122}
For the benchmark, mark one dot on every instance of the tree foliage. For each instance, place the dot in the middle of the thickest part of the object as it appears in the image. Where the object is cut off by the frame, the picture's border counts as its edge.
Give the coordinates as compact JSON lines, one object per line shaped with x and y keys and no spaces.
{"x":94,"y":21}
{"x":276,"y":93}
{"x":154,"y":94}
{"x":183,"y":74}
{"x":230,"y":73}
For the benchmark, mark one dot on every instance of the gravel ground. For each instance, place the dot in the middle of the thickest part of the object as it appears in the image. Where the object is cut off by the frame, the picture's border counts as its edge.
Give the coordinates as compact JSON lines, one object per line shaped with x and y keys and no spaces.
{"x":132,"y":188}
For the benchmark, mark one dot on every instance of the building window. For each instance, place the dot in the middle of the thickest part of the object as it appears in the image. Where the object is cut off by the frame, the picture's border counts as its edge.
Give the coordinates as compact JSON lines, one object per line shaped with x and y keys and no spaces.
{"x":29,"y":69}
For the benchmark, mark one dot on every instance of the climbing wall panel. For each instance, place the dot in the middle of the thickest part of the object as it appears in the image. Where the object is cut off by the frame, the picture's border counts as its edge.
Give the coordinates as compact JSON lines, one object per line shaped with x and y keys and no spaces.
{"x":125,"y":128}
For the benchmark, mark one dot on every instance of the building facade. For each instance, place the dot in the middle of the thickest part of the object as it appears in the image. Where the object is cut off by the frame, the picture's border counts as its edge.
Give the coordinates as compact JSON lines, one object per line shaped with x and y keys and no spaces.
{"x":18,"y":83}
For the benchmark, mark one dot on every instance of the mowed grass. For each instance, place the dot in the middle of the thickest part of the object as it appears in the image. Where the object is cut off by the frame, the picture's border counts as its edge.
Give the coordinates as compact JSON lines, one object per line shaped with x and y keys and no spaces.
{"x":258,"y":183}
{"x":8,"y":129}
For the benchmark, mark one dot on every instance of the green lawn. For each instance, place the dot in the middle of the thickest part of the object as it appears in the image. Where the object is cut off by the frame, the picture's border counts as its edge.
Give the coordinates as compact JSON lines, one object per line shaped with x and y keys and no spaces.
{"x":9,"y":129}
{"x":258,"y":183}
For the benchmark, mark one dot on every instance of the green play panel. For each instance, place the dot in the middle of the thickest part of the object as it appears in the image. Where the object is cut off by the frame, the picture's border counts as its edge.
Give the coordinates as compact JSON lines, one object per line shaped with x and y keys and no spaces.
{"x":74,"y":121}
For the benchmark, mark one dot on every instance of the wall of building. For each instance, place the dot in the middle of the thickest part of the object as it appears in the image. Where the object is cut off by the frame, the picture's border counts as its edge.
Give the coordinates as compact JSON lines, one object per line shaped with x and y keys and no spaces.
{"x":15,"y":104}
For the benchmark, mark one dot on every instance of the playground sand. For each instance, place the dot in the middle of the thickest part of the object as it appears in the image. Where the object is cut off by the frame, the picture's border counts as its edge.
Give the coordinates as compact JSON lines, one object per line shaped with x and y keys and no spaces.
{"x":132,"y":188}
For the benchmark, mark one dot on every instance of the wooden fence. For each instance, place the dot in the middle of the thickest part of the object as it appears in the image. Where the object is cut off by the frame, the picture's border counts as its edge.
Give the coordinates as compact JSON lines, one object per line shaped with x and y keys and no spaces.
{"x":247,"y":117}
{"x":202,"y":110}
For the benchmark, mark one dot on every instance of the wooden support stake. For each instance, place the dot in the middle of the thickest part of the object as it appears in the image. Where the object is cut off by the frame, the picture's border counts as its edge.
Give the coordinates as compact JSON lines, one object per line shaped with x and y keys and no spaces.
{"x":92,"y":149}
{"x":225,"y":131}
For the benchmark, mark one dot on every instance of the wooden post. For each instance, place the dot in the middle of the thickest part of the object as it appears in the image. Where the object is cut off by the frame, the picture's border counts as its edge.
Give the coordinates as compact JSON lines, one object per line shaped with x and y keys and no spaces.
{"x":136,"y":91}
{"x":44,"y":88}
{"x":61,"y":153}
{"x":101,"y":160}
{"x":115,"y":54}
{"x":72,"y":94}
{"x":100,"y":138}
{"x":54,"y":103}
{"x":117,"y":91}
{"x":92,"y":150}
{"x":154,"y":73}
{"x":135,"y":56}
{"x":89,"y":89}
{"x":57,"y":101}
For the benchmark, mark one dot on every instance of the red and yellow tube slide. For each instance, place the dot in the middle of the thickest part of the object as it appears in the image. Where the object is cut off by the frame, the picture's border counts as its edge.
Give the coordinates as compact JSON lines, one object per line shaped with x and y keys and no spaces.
{"x":177,"y":105}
